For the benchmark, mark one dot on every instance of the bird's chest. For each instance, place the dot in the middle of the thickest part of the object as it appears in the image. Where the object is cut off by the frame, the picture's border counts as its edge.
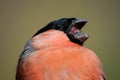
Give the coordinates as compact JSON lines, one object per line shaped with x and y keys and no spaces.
{"x":59,"y":64}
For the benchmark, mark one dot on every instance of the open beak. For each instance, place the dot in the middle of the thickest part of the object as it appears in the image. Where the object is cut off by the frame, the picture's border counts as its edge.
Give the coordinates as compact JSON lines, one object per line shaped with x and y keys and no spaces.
{"x":75,"y":30}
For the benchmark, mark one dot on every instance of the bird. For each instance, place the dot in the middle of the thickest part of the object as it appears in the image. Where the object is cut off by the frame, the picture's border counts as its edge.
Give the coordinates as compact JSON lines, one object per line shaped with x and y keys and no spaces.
{"x":57,"y":52}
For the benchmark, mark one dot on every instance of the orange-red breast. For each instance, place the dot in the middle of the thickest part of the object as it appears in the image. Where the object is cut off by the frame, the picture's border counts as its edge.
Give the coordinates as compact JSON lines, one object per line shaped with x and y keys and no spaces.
{"x":56,"y":52}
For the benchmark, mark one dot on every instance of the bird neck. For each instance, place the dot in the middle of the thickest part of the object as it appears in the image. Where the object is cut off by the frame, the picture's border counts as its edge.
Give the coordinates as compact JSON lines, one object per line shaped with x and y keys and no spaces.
{"x":50,"y":38}
{"x":45,"y":40}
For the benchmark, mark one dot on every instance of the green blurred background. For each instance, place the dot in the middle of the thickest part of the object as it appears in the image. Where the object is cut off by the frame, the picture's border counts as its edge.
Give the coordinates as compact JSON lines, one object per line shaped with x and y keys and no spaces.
{"x":20,"y":19}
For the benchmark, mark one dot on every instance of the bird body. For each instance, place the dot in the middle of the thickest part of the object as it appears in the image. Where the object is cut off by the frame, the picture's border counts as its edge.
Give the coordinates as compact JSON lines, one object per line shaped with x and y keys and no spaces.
{"x":55,"y":57}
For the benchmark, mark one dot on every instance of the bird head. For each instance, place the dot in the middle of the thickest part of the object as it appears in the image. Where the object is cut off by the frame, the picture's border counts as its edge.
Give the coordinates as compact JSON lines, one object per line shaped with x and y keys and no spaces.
{"x":70,"y":26}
